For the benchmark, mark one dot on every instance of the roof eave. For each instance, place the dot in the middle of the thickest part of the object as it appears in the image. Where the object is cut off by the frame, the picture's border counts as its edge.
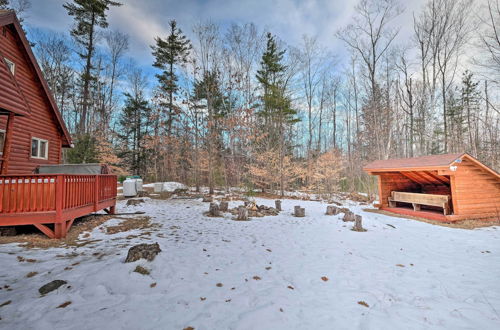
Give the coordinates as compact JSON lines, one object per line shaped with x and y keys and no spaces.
{"x":10,"y":17}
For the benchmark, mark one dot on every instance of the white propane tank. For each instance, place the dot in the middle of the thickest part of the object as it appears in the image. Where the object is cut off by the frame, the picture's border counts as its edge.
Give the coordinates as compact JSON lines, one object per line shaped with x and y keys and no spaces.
{"x":158,"y":187}
{"x":138,"y":185}
{"x":129,"y":189}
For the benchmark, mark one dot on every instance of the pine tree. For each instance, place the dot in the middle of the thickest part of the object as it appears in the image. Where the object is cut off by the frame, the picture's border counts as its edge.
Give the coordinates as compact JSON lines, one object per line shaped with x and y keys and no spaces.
{"x":471,"y":97}
{"x":134,"y":131}
{"x":89,"y":15}
{"x":276,"y":109}
{"x":168,"y":54}
{"x":276,"y":105}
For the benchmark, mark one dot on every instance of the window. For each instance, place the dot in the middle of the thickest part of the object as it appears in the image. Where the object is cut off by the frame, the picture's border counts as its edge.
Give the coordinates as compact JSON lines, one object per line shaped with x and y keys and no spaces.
{"x":39,"y":148}
{"x":2,"y":139}
{"x":11,"y":65}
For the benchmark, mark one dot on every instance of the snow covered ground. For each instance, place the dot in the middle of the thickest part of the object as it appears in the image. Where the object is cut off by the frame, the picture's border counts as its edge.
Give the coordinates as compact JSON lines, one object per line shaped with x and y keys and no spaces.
{"x":413,"y":276}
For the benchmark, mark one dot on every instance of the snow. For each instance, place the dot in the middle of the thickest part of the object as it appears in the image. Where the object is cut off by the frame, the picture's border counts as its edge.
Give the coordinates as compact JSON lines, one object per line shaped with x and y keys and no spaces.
{"x":450,"y":277}
{"x":168,"y":186}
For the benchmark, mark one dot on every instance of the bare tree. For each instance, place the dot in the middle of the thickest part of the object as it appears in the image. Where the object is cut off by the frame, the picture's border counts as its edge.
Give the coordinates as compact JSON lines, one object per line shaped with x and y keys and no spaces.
{"x":371,"y":34}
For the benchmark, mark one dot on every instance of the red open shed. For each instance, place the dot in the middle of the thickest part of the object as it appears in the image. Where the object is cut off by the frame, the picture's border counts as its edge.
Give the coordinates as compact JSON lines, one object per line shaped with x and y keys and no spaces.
{"x":446,"y":187}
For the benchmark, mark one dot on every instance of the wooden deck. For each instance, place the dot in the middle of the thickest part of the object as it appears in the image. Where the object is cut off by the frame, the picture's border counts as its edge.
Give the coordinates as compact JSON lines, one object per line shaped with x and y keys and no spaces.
{"x":52,"y":202}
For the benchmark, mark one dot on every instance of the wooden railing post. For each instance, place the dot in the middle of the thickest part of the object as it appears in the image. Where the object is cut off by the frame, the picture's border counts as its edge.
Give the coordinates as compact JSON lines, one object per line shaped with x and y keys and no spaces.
{"x":59,"y":196}
{"x":96,"y":195}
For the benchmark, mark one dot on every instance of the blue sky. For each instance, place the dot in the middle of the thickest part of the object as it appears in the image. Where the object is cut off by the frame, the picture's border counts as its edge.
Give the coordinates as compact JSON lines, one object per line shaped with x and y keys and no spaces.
{"x":143,"y":20}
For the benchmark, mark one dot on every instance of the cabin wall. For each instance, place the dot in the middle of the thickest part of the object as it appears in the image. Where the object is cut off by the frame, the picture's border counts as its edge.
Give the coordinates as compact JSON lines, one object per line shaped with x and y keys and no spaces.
{"x":41,"y":123}
{"x":475,"y":190}
{"x":394,"y":181}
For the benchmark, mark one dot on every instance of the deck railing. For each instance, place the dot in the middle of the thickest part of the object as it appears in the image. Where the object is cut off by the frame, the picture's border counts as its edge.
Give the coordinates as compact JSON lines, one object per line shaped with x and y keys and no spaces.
{"x":55,"y":192}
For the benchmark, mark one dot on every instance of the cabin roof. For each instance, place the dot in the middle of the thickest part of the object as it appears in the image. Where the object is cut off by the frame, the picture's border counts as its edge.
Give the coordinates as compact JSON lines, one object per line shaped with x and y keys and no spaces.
{"x":8,"y":17}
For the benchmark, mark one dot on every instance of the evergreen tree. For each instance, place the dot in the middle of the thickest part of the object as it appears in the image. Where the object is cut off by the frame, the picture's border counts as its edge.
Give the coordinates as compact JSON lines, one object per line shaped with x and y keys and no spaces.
{"x":168,"y":54}
{"x":89,"y":15}
{"x":134,"y":123}
{"x":276,"y":109}
{"x":84,"y":152}
{"x":470,"y":97}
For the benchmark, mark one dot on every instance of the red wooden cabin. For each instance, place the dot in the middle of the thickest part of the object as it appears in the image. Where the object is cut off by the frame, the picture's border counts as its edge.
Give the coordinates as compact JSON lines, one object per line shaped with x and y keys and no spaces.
{"x":421,"y":186}
{"x":32,"y":133}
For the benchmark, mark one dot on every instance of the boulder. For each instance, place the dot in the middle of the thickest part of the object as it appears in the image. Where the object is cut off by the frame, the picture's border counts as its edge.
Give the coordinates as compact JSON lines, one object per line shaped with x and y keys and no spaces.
{"x":135,"y":202}
{"x":51,"y":286}
{"x":143,"y":251}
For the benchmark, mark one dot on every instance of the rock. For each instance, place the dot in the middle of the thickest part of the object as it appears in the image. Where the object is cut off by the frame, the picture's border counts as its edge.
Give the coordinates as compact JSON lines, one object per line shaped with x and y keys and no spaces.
{"x":51,"y":286}
{"x":143,"y":193}
{"x":135,"y":202}
{"x":143,"y":251}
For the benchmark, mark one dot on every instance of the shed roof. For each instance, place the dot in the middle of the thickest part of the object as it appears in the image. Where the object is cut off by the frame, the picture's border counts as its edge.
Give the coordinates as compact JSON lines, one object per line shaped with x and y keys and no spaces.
{"x":8,"y":17}
{"x":423,"y":163}
{"x":415,"y":162}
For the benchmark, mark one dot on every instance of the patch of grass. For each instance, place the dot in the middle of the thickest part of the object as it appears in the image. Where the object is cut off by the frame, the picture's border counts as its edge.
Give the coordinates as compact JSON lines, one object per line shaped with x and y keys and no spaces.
{"x":31,"y":274}
{"x":219,"y":285}
{"x":39,"y":240}
{"x":141,"y":270}
{"x":139,"y":222}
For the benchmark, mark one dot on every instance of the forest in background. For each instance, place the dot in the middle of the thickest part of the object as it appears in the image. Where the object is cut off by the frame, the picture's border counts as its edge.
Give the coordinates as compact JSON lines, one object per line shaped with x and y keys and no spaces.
{"x":236,"y":106}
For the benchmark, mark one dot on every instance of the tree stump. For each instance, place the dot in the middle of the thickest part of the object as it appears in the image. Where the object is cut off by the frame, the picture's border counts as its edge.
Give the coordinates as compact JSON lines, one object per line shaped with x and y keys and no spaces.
{"x":207,"y":199}
{"x":214,"y":210}
{"x":242,"y":213}
{"x":331,"y":210}
{"x":357,"y":223}
{"x":299,"y":211}
{"x":277,"y":203}
{"x":223,"y":206}
{"x":349,"y":216}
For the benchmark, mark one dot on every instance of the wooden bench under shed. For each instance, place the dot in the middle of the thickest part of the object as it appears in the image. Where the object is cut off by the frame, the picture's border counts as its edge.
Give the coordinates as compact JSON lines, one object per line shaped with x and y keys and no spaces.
{"x":417,"y":199}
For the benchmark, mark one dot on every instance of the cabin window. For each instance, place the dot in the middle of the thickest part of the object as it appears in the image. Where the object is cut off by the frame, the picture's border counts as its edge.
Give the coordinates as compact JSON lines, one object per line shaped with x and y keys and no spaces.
{"x":11,"y":65}
{"x":2,"y":139}
{"x":39,"y":148}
